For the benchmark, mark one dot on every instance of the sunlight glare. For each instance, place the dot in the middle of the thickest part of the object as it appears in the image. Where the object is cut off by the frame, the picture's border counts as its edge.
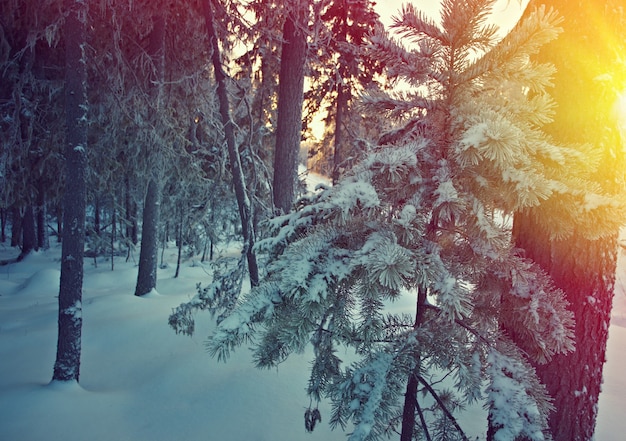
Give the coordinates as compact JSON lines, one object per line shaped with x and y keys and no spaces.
{"x":620,"y":108}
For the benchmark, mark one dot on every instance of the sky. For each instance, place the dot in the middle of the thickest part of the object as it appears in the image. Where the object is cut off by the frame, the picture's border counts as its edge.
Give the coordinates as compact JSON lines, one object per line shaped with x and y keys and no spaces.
{"x":505,"y":12}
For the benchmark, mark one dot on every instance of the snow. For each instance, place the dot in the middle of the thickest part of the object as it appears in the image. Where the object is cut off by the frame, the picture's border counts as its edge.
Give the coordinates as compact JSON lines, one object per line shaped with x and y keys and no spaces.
{"x":141,"y":381}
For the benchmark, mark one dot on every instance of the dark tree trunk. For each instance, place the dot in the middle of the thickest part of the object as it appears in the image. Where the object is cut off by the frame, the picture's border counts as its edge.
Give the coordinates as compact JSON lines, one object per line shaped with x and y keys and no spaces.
{"x":43,"y":239}
{"x":29,"y":235}
{"x":180,"y":242}
{"x":3,"y":224}
{"x":289,"y":121}
{"x":67,"y":364}
{"x":113,"y":231}
{"x":131,"y":214}
{"x":16,"y":225}
{"x":96,"y":217}
{"x":583,"y":268}
{"x":148,"y":255}
{"x":59,"y":222}
{"x":343,"y":98}
{"x":410,"y":396}
{"x":243,"y":201}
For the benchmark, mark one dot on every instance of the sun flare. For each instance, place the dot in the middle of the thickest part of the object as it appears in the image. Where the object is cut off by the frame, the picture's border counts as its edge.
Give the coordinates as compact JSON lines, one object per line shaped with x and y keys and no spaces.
{"x":620,"y":109}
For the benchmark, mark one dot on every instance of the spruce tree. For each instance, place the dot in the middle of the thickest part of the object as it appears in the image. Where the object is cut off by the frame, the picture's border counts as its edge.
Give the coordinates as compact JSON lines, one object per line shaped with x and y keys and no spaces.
{"x":581,"y":258}
{"x":340,"y":69}
{"x":426,"y":217}
{"x":70,"y":320}
{"x":290,"y":96}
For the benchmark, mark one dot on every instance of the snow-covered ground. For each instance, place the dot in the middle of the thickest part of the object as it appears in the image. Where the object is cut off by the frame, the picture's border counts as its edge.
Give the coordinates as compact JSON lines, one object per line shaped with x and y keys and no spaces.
{"x":141,"y":381}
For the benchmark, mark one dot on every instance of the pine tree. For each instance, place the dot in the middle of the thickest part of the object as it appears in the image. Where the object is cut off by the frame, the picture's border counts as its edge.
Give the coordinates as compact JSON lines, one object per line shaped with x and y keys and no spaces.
{"x":290,"y":96}
{"x":581,"y":258}
{"x":147,"y":271}
{"x":31,"y":115}
{"x":67,"y":363}
{"x":426,"y":216}
{"x":340,"y":69}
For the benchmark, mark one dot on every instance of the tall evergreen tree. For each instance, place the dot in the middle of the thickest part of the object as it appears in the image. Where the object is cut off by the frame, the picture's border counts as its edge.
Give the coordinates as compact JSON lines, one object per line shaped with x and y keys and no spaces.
{"x":67,"y":364}
{"x":341,"y":70}
{"x":424,"y":217}
{"x":290,"y":97}
{"x":580,"y":253}
{"x":147,"y":273}
{"x":32,"y":115}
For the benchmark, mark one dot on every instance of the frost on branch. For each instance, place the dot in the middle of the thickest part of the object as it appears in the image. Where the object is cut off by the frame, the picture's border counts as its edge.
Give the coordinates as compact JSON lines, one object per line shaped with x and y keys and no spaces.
{"x":364,"y":395}
{"x":220,"y":296}
{"x":424,"y":217}
{"x":518,"y":403}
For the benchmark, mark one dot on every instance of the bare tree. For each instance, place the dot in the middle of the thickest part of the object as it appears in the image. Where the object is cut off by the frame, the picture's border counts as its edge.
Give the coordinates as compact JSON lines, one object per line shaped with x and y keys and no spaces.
{"x":243,"y":201}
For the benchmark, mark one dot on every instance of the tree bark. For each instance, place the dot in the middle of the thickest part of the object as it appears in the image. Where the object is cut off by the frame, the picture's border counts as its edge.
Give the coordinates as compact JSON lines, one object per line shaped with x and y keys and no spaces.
{"x":289,"y":121}
{"x":113,"y":231}
{"x":243,"y":202}
{"x":148,"y":259}
{"x":131,"y":214}
{"x":343,"y":98}
{"x":67,"y":364}
{"x":16,"y":225}
{"x":148,"y":254}
{"x":3,"y":223}
{"x":29,"y":236}
{"x":181,"y":222}
{"x":583,"y":268}
{"x":410,"y":396}
{"x":59,"y":212}
{"x":585,"y":271}
{"x":43,"y":239}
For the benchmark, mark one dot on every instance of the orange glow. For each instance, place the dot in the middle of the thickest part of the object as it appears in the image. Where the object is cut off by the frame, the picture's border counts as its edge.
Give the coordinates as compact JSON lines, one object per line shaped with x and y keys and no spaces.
{"x":620,"y":109}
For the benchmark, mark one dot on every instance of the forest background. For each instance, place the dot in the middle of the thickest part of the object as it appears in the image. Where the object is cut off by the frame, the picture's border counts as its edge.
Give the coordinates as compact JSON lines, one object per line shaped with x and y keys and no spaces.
{"x":151,"y":148}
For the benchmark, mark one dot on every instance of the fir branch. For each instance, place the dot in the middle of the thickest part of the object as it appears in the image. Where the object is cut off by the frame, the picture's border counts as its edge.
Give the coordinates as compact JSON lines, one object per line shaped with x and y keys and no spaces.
{"x":525,"y":39}
{"x":415,"y":24}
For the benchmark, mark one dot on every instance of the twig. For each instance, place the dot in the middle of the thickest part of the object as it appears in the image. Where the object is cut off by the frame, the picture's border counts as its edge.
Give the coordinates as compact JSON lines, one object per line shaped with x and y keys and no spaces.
{"x":442,"y":405}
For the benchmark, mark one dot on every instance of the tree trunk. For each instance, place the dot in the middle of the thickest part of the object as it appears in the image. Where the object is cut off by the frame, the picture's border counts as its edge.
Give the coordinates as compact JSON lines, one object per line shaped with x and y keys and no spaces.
{"x":131,"y":214}
{"x":180,"y":242}
{"x":148,"y":254}
{"x":67,"y":364}
{"x":410,"y":396}
{"x":343,"y":98}
{"x":59,"y":222}
{"x":583,"y":268}
{"x":3,"y":224}
{"x":113,"y":231}
{"x":243,"y":202}
{"x":43,"y":239}
{"x":147,"y":273}
{"x":289,"y":121}
{"x":341,"y":108}
{"x":16,"y":225}
{"x":29,"y":236}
